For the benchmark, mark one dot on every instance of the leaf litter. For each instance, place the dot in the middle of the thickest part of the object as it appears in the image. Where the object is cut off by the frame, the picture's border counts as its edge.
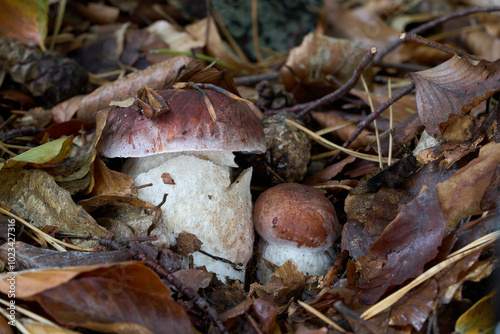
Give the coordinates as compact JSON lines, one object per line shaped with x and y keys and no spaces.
{"x":417,"y":235}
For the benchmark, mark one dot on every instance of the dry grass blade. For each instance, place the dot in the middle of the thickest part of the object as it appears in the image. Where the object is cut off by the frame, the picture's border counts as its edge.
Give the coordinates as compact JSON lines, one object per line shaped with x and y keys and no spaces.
{"x":377,"y":135}
{"x":30,"y":314}
{"x":321,"y":316}
{"x":389,"y":92}
{"x":452,"y":258}
{"x":52,"y":241}
{"x":334,"y":128}
{"x":328,"y":144}
{"x":17,"y":324}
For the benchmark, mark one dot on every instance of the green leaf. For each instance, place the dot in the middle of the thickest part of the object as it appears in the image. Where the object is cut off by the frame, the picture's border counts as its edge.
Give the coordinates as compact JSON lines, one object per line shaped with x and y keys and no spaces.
{"x":46,"y":155}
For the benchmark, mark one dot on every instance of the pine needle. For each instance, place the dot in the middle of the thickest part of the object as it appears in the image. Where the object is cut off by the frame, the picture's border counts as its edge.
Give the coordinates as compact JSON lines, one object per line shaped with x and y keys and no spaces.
{"x":321,"y":316}
{"x":377,"y":135}
{"x":332,"y":146}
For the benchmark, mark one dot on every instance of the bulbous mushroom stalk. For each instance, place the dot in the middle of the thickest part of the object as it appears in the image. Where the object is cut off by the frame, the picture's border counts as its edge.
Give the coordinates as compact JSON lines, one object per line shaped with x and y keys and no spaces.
{"x":188,"y":156}
{"x":295,"y":222}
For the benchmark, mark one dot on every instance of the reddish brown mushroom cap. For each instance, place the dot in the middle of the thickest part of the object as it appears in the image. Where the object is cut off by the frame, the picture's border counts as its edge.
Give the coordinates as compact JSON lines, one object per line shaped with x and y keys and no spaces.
{"x":186,"y":127}
{"x":296,"y":214}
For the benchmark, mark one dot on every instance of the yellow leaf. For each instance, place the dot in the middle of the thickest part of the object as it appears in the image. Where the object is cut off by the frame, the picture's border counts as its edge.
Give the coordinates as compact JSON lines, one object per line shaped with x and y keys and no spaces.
{"x":480,"y":318}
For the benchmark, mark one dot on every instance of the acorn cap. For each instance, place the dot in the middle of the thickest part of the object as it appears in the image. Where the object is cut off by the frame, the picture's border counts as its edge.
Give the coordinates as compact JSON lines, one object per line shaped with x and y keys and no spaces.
{"x":296,"y":215}
{"x":187,"y":126}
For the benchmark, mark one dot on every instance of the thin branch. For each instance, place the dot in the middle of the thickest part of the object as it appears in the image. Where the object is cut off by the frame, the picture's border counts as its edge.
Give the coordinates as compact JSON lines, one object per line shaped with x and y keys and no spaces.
{"x":431,"y":24}
{"x":364,"y":123}
{"x":412,"y":37}
{"x":307,"y":107}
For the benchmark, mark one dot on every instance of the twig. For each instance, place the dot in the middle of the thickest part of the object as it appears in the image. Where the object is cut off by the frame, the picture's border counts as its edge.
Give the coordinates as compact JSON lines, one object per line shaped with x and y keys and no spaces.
{"x":187,"y":291}
{"x":364,"y":123}
{"x":433,"y":23}
{"x":307,"y":107}
{"x":412,"y":37}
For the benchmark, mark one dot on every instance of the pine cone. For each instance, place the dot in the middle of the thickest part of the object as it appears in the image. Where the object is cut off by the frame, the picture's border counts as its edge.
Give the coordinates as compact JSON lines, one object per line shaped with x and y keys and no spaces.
{"x":288,"y":151}
{"x":273,"y":95}
{"x":46,"y":75}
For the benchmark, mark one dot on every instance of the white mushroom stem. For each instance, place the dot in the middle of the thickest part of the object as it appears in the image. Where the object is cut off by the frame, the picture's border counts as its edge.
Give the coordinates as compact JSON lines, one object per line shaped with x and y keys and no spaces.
{"x":203,"y":201}
{"x":309,"y":261}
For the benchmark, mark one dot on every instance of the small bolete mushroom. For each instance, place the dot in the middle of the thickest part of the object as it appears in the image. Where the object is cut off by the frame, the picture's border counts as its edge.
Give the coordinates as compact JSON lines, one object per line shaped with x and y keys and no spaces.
{"x":296,"y":222}
{"x":187,"y":155}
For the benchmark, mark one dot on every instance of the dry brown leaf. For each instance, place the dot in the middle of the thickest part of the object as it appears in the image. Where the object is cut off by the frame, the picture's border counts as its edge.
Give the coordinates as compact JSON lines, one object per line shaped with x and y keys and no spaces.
{"x":215,"y":47}
{"x":324,"y":119}
{"x":176,"y":38}
{"x":329,"y":172}
{"x":35,"y":196}
{"x":401,"y":110}
{"x":321,"y":62}
{"x":409,"y":242}
{"x":43,"y":328}
{"x":453,"y":87}
{"x":29,"y":283}
{"x":155,"y":77}
{"x":360,"y":24}
{"x":461,"y":195}
{"x":110,"y":182}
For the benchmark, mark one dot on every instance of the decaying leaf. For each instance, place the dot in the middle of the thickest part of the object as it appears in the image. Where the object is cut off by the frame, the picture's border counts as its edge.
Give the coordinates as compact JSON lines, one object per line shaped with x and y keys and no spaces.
{"x":36,"y":197}
{"x":105,"y":295}
{"x":286,"y":282}
{"x":360,"y":24}
{"x":454,"y":87}
{"x":155,"y":77}
{"x":194,"y":278}
{"x":320,"y":65}
{"x":406,"y":245}
{"x":462,"y":194}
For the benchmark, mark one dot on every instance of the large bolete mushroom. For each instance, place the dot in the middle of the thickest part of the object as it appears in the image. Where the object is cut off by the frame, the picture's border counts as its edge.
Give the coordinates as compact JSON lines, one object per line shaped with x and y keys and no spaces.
{"x":187,"y":155}
{"x":296,"y":222}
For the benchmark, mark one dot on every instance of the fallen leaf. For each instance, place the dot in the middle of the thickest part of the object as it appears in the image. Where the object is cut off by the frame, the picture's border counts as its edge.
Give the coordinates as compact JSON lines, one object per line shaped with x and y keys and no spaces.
{"x":461,"y":195}
{"x":360,"y":24}
{"x":25,"y":21}
{"x":321,"y":62}
{"x":480,"y":318}
{"x":110,"y":182}
{"x":406,"y":245}
{"x":194,"y":278}
{"x":155,"y":77}
{"x":44,"y":328}
{"x":454,"y":87}
{"x":35,"y":196}
{"x":46,"y":155}
{"x":112,"y":299}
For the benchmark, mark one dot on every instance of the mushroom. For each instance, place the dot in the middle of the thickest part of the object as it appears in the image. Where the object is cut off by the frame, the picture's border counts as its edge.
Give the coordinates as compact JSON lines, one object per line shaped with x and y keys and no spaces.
{"x":187,"y":155}
{"x":296,"y":222}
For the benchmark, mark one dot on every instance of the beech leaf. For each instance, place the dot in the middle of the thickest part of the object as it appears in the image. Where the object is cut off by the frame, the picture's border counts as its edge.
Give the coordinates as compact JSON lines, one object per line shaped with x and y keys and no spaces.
{"x":406,"y":245}
{"x":454,"y":87}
